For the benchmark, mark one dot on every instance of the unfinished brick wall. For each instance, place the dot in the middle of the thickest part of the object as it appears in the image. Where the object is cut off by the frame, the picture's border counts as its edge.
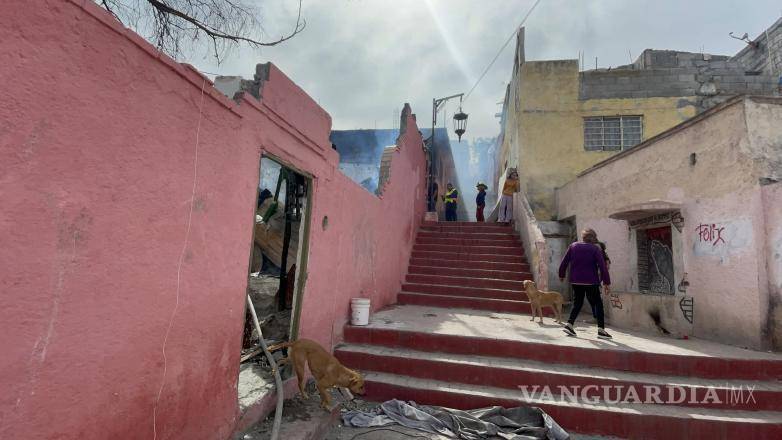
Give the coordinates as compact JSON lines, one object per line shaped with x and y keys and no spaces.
{"x":709,"y":79}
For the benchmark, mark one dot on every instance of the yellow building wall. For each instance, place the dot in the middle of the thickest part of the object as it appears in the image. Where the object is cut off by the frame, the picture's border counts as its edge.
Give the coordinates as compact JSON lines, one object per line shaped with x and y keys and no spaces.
{"x":544,"y":128}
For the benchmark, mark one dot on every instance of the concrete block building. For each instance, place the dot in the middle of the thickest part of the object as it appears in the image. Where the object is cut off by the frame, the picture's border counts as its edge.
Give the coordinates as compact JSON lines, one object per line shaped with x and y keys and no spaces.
{"x":558,"y":120}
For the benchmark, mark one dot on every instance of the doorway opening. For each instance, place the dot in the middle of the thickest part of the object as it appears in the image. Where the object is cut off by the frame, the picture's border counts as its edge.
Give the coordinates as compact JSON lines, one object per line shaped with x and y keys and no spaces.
{"x":655,"y":260}
{"x":274,"y":284}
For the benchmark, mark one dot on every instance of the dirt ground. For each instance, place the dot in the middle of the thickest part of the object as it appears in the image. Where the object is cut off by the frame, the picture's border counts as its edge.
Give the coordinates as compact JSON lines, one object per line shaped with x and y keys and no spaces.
{"x":300,"y":418}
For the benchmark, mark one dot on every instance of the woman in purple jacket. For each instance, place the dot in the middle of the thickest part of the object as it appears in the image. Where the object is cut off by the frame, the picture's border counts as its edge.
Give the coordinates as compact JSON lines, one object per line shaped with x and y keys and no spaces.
{"x":587,"y":268}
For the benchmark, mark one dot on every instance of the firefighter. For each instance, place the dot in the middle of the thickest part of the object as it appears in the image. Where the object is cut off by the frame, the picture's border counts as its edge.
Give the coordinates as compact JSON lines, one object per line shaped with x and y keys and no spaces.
{"x":450,"y":197}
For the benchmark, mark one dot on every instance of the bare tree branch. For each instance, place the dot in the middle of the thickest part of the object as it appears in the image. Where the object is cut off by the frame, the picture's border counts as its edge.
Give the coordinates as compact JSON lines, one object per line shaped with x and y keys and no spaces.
{"x":111,"y":11}
{"x":215,"y":33}
{"x":174,"y":24}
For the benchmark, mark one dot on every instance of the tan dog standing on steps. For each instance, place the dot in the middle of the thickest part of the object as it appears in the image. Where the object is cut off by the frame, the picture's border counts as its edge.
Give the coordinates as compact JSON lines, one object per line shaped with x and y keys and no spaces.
{"x":325,"y":368}
{"x":539,"y":299}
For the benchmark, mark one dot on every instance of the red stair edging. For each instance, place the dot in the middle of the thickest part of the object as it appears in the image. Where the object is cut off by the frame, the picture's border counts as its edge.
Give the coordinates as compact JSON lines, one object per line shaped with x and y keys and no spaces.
{"x":467,"y":302}
{"x":508,"y":378}
{"x":475,"y":292}
{"x":468,"y":256}
{"x":466,"y":272}
{"x":641,"y":362}
{"x":467,"y":229}
{"x":463,"y":281}
{"x":509,"y":250}
{"x":466,"y":264}
{"x":467,"y":241}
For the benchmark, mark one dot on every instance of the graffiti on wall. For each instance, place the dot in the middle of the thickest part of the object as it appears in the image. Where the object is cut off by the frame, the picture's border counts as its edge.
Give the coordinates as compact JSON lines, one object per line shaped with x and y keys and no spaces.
{"x":722,"y":238}
{"x":687,"y":306}
{"x":711,"y":233}
{"x":616,"y":302}
{"x":684,"y":284}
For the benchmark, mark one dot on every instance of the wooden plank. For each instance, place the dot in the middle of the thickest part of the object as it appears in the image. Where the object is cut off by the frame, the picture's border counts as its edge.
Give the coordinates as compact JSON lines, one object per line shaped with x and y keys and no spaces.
{"x":269,"y":236}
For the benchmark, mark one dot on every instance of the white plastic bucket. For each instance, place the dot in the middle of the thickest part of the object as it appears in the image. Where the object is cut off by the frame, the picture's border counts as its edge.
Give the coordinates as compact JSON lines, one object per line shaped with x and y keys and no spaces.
{"x":359,"y":311}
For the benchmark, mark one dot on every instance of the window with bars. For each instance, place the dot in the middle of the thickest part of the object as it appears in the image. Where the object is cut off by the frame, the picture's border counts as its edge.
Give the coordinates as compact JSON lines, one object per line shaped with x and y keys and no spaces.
{"x":612,"y":133}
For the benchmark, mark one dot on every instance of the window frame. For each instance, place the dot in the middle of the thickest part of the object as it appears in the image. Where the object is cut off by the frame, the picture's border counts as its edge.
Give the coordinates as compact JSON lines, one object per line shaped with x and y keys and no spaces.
{"x":623,"y":119}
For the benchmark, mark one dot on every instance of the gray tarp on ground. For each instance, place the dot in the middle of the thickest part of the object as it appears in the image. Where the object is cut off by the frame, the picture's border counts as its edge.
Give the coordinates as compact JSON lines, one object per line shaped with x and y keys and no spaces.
{"x":520,"y":423}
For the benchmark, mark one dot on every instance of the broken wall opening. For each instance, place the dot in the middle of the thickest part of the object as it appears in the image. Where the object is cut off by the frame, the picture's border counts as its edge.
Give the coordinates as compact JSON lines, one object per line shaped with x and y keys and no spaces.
{"x":278,"y":254}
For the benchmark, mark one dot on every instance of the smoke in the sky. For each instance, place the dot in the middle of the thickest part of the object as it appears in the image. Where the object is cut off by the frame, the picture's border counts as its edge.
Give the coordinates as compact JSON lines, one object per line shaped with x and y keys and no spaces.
{"x":360,"y":152}
{"x":473,"y":165}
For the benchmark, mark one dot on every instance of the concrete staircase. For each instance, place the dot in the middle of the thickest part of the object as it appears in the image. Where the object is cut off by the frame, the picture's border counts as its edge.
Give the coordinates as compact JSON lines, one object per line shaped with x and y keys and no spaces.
{"x":467,"y":265}
{"x":461,"y":337}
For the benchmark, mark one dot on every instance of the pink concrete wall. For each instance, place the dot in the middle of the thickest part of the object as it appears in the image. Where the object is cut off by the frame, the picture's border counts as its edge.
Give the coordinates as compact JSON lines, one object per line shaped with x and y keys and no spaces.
{"x":128,"y":186}
{"x":365,"y":250}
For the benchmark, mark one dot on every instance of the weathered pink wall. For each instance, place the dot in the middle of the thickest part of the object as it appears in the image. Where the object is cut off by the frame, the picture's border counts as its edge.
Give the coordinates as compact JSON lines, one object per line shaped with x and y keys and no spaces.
{"x":365,"y":250}
{"x":721,"y":188}
{"x":127,"y":219}
{"x":772,"y":202}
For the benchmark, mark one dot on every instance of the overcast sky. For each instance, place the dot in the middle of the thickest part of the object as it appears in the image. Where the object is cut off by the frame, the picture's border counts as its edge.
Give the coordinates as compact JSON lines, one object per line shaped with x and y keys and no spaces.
{"x":363,"y":59}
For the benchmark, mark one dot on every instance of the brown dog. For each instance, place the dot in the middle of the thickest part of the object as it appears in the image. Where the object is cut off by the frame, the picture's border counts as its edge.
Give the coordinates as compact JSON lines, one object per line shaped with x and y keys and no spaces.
{"x":539,"y":299}
{"x":325,"y":368}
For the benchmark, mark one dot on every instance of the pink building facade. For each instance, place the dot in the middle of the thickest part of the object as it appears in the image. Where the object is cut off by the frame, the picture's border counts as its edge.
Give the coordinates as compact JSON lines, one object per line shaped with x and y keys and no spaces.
{"x":128,"y":191}
{"x":692,"y":223}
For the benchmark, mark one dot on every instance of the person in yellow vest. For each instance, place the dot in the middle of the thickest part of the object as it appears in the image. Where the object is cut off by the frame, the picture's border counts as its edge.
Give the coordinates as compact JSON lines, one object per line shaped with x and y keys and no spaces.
{"x":450,"y":198}
{"x":511,"y":186}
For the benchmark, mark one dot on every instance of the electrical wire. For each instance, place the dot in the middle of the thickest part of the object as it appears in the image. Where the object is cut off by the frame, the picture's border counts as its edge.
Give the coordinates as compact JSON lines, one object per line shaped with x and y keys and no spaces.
{"x":501,"y":49}
{"x":180,"y":263}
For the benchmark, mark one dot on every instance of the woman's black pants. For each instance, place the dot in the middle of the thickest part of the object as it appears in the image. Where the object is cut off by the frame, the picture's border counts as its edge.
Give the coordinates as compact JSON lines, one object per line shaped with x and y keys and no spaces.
{"x":592,"y":293}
